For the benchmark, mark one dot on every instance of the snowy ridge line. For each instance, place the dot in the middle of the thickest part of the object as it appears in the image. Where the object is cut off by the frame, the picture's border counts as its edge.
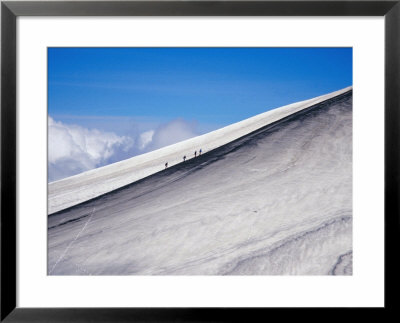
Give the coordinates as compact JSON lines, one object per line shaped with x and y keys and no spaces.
{"x":264,"y":252}
{"x":220,"y":213}
{"x":296,"y":238}
{"x":342,"y":261}
{"x":83,"y":187}
{"x":72,"y":242}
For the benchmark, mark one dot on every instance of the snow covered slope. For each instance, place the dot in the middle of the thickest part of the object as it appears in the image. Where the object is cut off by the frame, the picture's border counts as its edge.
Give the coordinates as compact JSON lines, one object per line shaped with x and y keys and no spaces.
{"x":85,"y":186}
{"x":276,"y":201}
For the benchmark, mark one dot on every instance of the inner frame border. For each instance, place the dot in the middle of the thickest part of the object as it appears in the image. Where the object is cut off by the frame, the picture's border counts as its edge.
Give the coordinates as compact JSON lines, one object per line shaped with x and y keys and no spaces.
{"x":10,"y":10}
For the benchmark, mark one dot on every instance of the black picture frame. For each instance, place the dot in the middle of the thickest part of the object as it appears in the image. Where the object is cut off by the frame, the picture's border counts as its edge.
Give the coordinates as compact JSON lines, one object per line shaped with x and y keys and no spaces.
{"x":10,"y":10}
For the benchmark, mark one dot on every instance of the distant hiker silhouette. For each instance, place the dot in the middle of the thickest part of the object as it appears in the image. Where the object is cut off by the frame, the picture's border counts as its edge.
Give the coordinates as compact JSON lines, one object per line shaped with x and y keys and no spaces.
{"x":200,"y":152}
{"x":184,"y":158}
{"x":166,"y":165}
{"x":195,"y":153}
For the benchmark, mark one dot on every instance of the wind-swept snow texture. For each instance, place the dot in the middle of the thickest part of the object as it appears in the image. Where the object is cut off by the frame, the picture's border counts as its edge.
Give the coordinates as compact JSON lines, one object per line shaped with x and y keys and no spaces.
{"x":275,"y":201}
{"x":85,"y":186}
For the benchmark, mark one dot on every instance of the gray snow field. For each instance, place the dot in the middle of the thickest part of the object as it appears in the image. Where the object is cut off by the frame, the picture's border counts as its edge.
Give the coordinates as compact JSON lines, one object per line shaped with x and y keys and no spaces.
{"x":276,"y":201}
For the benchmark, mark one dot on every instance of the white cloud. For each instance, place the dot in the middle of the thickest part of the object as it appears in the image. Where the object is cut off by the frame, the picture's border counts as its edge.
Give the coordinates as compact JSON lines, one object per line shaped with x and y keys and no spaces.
{"x":145,"y":139}
{"x":173,"y":132}
{"x":73,"y":149}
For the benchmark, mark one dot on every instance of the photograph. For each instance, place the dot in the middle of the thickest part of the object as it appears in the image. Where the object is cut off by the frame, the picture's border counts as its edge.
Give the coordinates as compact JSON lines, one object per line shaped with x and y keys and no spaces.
{"x":199,"y":161}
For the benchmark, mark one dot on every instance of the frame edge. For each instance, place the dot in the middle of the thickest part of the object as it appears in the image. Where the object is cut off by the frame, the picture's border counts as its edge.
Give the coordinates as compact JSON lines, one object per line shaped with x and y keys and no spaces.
{"x":392,"y":149}
{"x":8,"y":161}
{"x":203,"y":8}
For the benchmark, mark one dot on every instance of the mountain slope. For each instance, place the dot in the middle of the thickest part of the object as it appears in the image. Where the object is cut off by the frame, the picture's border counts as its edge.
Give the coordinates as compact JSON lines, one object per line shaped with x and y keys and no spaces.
{"x":85,"y":186}
{"x":275,"y":201}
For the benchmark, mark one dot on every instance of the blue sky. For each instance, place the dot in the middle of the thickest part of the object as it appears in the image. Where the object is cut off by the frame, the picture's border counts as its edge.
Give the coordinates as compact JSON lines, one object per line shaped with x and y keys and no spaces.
{"x":128,"y":91}
{"x":210,"y":85}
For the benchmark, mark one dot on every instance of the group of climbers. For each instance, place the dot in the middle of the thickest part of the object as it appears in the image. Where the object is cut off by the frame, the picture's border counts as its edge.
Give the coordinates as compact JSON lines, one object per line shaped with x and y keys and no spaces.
{"x":184,"y":157}
{"x":195,"y":154}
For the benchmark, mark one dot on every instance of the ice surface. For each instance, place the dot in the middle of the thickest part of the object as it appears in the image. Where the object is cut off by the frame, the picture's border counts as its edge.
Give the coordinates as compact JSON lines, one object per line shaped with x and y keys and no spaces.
{"x":277,"y":201}
{"x":85,"y":186}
